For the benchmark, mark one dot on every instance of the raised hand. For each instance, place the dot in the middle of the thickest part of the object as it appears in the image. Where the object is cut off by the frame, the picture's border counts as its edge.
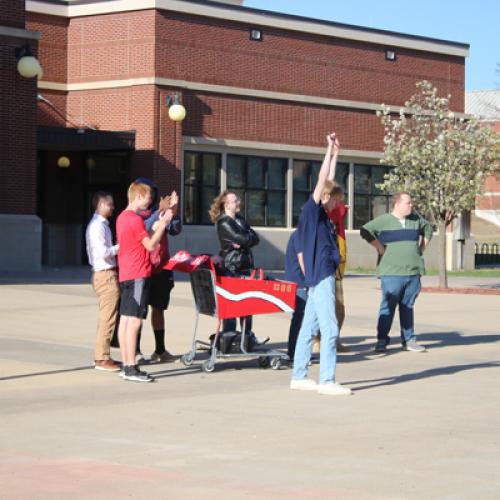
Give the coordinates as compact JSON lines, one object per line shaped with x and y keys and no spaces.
{"x":174,"y":199}
{"x":164,"y":203}
{"x":166,"y":216}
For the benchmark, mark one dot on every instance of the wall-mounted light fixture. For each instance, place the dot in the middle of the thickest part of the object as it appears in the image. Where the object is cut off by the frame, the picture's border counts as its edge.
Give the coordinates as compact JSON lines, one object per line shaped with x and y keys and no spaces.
{"x":90,"y":162}
{"x":63,"y":162}
{"x":176,"y":111}
{"x":256,"y":34}
{"x":27,"y":64}
{"x":390,"y":54}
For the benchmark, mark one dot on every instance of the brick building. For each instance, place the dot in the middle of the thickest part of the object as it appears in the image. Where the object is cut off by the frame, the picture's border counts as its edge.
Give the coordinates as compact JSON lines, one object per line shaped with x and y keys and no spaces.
{"x":485,"y":224}
{"x":19,"y":225}
{"x":261,"y":90}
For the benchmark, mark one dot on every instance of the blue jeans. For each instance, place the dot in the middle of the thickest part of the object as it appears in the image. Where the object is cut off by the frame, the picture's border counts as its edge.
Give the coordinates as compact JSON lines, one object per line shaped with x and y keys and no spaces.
{"x":296,"y":322}
{"x":399,"y":291}
{"x":319,"y":315}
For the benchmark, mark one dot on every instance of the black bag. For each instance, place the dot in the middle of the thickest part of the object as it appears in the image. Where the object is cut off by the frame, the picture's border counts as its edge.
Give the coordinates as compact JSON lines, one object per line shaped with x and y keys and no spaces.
{"x":230,"y":342}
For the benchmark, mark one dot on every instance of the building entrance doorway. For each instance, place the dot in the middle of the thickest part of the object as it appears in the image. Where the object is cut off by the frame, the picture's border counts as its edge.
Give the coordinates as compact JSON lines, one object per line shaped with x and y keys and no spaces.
{"x":67,"y":181}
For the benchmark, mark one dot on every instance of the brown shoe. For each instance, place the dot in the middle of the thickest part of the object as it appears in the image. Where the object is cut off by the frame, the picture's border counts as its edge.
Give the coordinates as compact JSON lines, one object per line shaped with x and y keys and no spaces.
{"x":341,"y":347}
{"x":107,"y":365}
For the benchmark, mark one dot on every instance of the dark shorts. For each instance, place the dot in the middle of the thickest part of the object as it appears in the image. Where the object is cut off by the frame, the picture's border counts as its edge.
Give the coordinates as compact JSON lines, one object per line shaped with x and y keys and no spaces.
{"x":161,"y":286}
{"x":134,"y":296}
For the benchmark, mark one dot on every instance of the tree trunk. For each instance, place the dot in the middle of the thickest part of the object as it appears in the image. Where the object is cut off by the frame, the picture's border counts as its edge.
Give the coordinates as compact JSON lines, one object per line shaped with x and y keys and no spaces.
{"x":443,"y":274}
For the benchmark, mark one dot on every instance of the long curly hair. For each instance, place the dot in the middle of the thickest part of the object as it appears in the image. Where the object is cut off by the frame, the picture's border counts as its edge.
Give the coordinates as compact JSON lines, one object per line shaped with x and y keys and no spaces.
{"x":217,"y":207}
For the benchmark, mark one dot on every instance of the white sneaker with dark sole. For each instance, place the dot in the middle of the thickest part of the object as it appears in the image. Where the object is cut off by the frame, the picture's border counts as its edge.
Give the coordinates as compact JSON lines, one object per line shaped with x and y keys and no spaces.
{"x":333,"y":389}
{"x":305,"y":384}
{"x":413,"y":346}
{"x":133,"y":374}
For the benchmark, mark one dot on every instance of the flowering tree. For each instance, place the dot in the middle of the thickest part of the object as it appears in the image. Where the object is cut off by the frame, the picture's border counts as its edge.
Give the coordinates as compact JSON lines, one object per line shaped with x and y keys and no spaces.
{"x":439,"y":158}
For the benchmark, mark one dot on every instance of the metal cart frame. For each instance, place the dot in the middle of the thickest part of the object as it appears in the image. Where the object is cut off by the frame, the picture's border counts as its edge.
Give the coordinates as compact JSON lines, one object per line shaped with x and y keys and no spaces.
{"x":204,"y":287}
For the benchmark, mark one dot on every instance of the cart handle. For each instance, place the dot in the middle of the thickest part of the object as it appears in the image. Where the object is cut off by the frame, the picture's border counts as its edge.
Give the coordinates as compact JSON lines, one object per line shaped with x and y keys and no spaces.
{"x":253,"y":274}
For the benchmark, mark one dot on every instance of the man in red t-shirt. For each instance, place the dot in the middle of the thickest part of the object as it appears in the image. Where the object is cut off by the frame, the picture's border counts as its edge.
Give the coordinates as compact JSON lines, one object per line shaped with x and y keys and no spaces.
{"x":134,"y":271}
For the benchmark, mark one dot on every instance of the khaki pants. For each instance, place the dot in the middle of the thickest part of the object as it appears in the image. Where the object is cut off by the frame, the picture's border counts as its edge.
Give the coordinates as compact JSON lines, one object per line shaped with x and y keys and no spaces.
{"x":339,"y":303}
{"x":105,"y":285}
{"x":339,"y":312}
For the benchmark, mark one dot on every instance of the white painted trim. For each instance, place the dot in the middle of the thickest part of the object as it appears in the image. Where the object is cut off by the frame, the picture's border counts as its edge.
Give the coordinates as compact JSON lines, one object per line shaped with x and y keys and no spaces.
{"x":208,"y":87}
{"x":289,"y":193}
{"x":223,"y":171}
{"x":492,"y":216}
{"x":250,"y":17}
{"x":490,"y":193}
{"x":223,"y":89}
{"x":19,"y":33}
{"x":350,"y":196}
{"x":274,"y":149}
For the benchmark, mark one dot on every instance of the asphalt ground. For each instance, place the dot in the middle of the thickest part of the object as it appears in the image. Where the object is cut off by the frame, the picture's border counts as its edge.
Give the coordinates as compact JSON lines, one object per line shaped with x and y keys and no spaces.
{"x":418,"y":425}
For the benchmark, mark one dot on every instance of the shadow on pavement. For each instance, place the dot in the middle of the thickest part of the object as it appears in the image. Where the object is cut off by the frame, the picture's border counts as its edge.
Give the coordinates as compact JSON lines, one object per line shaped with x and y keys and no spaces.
{"x":50,"y":372}
{"x":408,"y":377}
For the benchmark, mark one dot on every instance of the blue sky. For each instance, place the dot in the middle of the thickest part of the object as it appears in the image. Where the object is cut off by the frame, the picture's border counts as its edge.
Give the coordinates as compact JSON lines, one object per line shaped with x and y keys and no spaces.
{"x":474,"y":22}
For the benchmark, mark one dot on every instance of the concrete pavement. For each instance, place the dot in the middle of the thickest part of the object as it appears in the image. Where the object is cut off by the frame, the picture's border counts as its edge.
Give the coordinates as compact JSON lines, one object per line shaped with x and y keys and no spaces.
{"x":417,"y":426}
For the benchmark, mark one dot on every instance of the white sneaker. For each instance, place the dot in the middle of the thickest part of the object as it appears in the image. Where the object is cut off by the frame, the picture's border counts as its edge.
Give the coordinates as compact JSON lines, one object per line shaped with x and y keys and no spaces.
{"x":305,"y":384}
{"x":333,"y":389}
{"x":412,"y":345}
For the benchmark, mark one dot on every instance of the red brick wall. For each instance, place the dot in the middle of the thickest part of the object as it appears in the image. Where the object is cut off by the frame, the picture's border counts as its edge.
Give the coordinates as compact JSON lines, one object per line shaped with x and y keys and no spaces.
{"x":192,"y":48}
{"x":17,"y":122}
{"x":220,"y":52}
{"x":491,"y":184}
{"x":55,"y":112}
{"x":114,"y":46}
{"x":52,"y":46}
{"x":491,"y":202}
{"x":12,"y":13}
{"x":158,"y":141}
{"x":250,"y":119}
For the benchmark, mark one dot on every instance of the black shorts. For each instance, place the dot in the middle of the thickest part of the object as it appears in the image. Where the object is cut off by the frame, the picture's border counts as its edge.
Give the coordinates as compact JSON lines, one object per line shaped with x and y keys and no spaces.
{"x":134,"y":296}
{"x":161,"y":286}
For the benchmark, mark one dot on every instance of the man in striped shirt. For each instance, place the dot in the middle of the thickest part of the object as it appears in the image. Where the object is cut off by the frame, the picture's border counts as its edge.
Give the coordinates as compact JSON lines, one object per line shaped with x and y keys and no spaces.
{"x":400,"y":237}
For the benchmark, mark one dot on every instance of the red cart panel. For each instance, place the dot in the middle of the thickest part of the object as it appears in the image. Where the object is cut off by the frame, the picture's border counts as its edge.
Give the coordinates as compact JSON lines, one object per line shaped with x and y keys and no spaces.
{"x":247,"y":296}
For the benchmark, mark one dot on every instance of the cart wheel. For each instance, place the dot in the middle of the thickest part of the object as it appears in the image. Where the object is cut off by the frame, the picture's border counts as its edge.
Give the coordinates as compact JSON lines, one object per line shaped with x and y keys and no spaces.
{"x":276,"y":363}
{"x":264,"y":362}
{"x":208,"y":366}
{"x":187,"y":359}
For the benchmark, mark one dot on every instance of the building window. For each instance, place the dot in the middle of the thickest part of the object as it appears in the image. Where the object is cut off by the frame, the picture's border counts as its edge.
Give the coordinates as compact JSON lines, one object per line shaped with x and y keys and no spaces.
{"x":201,"y":185}
{"x":305,"y":176}
{"x":260,"y":183}
{"x":369,"y":200}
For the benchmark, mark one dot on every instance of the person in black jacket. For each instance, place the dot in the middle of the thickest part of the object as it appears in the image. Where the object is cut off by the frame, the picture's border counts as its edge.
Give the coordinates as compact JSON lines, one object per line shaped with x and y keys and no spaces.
{"x":236,"y":238}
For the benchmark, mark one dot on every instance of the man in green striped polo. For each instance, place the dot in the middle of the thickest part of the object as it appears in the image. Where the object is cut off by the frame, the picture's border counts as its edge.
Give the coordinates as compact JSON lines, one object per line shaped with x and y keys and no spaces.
{"x":400,"y":238}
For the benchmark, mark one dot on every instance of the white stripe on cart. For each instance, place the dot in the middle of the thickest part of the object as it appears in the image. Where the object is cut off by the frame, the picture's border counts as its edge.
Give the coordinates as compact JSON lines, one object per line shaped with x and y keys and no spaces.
{"x":254,"y":295}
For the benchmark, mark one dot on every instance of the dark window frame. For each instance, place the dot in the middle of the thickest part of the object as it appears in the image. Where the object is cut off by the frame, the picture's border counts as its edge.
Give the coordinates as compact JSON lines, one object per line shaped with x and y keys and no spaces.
{"x":197,"y":186}
{"x":244,"y":190}
{"x":369,"y":195}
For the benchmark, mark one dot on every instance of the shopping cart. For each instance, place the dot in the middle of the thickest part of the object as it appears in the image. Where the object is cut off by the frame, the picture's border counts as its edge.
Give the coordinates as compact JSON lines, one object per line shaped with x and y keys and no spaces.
{"x":224,"y":297}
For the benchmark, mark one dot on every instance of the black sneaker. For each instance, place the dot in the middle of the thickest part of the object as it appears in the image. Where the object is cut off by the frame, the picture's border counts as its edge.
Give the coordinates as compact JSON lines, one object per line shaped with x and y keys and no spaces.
{"x":381,"y":346}
{"x":135,"y":375}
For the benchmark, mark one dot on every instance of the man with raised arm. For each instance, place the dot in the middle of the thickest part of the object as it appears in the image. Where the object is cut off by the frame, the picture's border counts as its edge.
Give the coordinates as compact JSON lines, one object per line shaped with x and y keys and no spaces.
{"x":319,"y":258}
